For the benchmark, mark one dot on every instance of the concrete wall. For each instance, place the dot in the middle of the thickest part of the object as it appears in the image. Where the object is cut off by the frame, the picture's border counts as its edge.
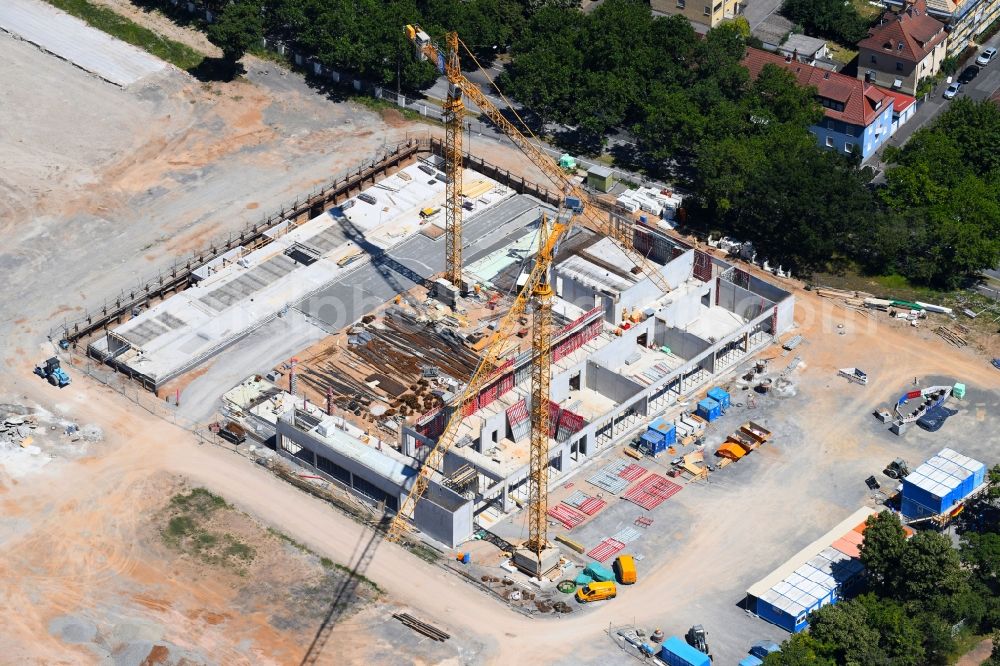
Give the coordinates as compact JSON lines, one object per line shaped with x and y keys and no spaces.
{"x":614,"y":354}
{"x":559,"y":386}
{"x":769,"y":291}
{"x":786,"y":314}
{"x":683,"y":344}
{"x":286,"y":430}
{"x":579,"y":295}
{"x":610,"y":384}
{"x":444,"y":515}
{"x":685,"y":307}
{"x":741,"y":301}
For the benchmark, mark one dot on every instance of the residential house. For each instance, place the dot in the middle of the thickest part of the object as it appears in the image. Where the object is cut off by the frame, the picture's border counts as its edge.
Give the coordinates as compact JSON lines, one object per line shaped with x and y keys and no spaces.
{"x":858,"y":116}
{"x":708,"y":13}
{"x":903,"y":48}
{"x":965,"y":19}
{"x":804,"y":48}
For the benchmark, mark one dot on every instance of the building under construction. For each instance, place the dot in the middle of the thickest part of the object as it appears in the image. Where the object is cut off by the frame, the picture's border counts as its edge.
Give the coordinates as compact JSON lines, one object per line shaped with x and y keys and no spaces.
{"x":624,"y":353}
{"x":370,"y":402}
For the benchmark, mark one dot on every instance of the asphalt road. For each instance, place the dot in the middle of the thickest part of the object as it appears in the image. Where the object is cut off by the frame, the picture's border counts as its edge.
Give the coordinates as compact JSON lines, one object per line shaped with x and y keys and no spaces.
{"x":980,"y":88}
{"x":413,"y":261}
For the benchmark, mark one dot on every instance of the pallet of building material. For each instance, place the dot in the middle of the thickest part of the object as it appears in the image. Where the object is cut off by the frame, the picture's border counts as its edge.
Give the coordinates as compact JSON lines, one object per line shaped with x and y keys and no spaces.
{"x":627,"y":535}
{"x":607,"y":477}
{"x":632,"y":472}
{"x":651,"y":492}
{"x":643,"y":521}
{"x":567,"y":516}
{"x":592,"y":505}
{"x":577,"y":498}
{"x":422,"y":627}
{"x":605,"y":550}
{"x":951,"y":336}
{"x":570,"y":543}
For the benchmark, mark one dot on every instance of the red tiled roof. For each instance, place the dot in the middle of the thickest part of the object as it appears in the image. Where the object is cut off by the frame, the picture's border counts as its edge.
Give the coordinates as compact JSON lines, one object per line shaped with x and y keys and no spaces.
{"x":908,"y":35}
{"x":900,"y":102}
{"x":862,"y":101}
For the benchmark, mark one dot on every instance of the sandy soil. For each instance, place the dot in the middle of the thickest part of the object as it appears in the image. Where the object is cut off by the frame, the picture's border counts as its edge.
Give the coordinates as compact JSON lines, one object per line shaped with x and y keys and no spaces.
{"x":80,"y":514}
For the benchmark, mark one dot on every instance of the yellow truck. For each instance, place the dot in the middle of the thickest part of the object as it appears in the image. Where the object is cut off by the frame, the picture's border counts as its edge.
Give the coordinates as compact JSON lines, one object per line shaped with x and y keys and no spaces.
{"x":596,"y":591}
{"x":624,"y":567}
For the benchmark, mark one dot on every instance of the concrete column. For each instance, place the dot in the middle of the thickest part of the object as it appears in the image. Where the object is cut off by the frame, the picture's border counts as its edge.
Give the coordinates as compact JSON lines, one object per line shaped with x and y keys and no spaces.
{"x":505,"y":501}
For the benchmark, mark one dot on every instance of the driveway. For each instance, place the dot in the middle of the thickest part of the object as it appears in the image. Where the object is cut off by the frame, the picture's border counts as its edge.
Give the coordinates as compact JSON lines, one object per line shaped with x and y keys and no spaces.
{"x":757,"y":11}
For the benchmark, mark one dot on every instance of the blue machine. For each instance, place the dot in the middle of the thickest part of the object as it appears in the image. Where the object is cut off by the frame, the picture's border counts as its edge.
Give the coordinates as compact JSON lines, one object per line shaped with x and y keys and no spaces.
{"x":53,"y":373}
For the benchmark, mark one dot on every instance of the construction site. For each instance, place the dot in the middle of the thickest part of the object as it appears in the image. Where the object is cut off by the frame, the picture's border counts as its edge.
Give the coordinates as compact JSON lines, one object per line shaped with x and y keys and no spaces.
{"x":540,"y":392}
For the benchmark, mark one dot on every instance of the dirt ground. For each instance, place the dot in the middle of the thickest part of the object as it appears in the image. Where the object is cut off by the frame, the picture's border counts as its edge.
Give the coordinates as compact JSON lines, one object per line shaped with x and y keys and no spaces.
{"x":100,"y":187}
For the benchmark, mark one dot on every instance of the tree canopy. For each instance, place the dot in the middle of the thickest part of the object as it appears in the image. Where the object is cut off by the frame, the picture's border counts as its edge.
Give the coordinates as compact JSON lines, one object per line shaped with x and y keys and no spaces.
{"x":832,"y":19}
{"x":237,"y":29}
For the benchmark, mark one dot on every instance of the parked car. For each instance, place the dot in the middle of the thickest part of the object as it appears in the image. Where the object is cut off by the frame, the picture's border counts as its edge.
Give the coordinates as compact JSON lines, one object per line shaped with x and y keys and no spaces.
{"x":952,"y":90}
{"x":596,"y":591}
{"x":968,"y":74}
{"x":986,"y":56}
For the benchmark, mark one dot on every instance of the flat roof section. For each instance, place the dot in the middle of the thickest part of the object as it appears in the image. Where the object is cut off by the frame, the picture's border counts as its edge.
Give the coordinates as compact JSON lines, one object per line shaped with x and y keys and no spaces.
{"x":791,"y":567}
{"x":240,"y":294}
{"x":418,"y":258}
{"x":714,"y":323}
{"x":71,"y":39}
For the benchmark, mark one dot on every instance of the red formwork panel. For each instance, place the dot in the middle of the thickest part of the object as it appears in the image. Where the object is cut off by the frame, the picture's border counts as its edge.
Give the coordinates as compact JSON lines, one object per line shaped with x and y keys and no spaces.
{"x":592,"y":505}
{"x":632,"y":473}
{"x":651,"y":491}
{"x":605,"y":550}
{"x":565,"y":515}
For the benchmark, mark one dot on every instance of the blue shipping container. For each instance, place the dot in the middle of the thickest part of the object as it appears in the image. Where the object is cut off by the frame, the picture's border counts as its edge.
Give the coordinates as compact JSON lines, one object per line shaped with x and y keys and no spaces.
{"x":676,"y":652}
{"x":750,"y":660}
{"x":652,"y":444}
{"x":720,"y":397}
{"x":913,"y":509}
{"x":709,"y":409}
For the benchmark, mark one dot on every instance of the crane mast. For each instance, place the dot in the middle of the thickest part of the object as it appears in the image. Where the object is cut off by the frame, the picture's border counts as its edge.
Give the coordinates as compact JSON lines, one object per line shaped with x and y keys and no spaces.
{"x":537,"y":290}
{"x":541,"y":369}
{"x":454,"y":116}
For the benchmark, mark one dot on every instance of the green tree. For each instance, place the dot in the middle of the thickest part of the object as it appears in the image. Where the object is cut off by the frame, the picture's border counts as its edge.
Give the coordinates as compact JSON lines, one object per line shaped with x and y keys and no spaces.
{"x":833,"y":19}
{"x":930,"y":568}
{"x":899,"y":634}
{"x":882,"y":550}
{"x":848,"y":634}
{"x":237,"y":29}
{"x":800,"y":649}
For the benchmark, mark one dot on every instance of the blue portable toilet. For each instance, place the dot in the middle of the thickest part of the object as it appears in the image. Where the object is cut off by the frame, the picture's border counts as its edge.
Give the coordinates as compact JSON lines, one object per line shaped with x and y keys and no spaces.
{"x":720,"y":397}
{"x":709,"y":409}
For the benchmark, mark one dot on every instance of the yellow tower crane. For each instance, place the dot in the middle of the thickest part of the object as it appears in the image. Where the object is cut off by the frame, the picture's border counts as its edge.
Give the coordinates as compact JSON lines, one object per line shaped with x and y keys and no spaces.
{"x":537,"y":290}
{"x":454,"y":116}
